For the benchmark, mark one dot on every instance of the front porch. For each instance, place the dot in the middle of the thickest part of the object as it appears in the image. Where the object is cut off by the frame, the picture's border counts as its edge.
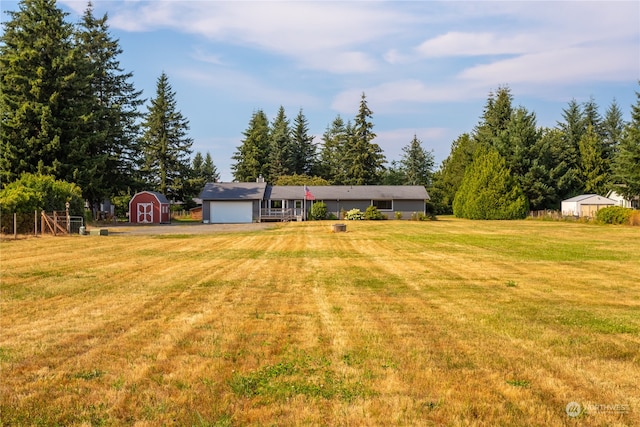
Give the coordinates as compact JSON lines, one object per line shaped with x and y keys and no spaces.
{"x":280,"y":214}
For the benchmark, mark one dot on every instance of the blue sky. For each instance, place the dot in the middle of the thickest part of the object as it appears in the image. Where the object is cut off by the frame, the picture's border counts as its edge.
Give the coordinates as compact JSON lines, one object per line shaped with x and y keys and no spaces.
{"x":426,"y":67}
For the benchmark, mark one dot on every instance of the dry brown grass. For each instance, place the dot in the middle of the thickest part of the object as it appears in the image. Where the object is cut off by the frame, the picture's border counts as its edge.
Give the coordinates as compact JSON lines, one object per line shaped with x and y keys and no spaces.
{"x":392,"y":323}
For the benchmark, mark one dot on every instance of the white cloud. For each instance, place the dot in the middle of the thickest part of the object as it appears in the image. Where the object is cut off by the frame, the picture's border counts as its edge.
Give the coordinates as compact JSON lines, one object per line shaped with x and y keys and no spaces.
{"x":475,"y":44}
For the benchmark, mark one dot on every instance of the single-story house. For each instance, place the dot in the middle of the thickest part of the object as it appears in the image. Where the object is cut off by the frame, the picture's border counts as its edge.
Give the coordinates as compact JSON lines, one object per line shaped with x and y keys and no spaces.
{"x":625,"y":202}
{"x":149,"y":207}
{"x":256,"y":202}
{"x":585,"y":205}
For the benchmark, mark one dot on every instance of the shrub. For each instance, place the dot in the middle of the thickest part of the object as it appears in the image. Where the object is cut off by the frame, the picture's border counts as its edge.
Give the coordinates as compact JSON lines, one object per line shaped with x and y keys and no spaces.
{"x":419,"y":216}
{"x":354,"y":214}
{"x":398,"y":215}
{"x":373,"y":213}
{"x":41,"y":192}
{"x":318,"y":211}
{"x":614,"y":215}
{"x":634,"y":219}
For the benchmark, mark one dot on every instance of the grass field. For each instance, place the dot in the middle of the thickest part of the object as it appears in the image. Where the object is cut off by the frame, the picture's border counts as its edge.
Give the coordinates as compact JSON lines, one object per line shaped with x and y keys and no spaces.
{"x":450,"y":322}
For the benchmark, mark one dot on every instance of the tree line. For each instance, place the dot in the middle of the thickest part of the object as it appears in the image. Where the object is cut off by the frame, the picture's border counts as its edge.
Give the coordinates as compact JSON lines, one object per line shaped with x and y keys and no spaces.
{"x":71,"y":112}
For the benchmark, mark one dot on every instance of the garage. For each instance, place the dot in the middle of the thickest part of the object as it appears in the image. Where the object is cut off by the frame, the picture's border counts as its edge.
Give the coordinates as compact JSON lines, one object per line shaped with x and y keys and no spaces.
{"x":228,"y":212}
{"x":232,"y":202}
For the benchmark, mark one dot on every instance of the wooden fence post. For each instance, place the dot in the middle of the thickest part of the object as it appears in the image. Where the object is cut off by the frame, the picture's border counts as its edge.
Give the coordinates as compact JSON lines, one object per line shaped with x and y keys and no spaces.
{"x":35,"y":223}
{"x":15,"y":225}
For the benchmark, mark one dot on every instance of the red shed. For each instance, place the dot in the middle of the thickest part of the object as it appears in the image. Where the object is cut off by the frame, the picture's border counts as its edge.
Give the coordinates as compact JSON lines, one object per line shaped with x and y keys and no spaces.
{"x":149,"y":207}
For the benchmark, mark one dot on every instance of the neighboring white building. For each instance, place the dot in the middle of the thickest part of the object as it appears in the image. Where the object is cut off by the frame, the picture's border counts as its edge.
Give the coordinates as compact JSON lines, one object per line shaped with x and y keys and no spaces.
{"x":620,"y":200}
{"x":585,"y":205}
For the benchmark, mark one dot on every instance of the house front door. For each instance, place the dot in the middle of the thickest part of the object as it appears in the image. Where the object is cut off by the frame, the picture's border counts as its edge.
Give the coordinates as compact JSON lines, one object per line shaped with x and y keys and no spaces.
{"x":145,"y":213}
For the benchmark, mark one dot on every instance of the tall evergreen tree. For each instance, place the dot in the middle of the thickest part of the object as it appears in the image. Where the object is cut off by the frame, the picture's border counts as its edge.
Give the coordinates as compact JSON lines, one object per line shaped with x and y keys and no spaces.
{"x":252,"y":156}
{"x":593,"y":167}
{"x":626,"y":163}
{"x":45,"y":99}
{"x":417,"y":164}
{"x":113,"y":153}
{"x":495,"y":118}
{"x":303,"y":148}
{"x":366,"y":160}
{"x":568,"y":153}
{"x":209,"y":170}
{"x":332,"y":165}
{"x":281,"y":161}
{"x":613,"y":126}
{"x":167,"y":148}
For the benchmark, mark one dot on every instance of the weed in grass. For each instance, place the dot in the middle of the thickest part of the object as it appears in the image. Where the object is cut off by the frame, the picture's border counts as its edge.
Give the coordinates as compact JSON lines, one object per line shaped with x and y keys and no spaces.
{"x":511,"y":284}
{"x":518,"y":383}
{"x":89,"y":375}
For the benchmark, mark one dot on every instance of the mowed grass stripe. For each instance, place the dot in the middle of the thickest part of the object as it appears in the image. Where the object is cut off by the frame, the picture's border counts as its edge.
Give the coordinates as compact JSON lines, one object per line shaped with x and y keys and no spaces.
{"x":390,"y":323}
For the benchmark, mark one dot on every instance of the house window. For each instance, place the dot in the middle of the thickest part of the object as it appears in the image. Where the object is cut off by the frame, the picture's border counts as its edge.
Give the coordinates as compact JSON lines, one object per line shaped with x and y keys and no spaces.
{"x":298,"y":204}
{"x":383,"y":205}
{"x":275,"y":204}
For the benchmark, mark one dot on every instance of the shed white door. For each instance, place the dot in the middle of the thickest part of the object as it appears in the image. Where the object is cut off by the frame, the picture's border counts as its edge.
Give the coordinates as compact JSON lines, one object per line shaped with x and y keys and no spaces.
{"x":145,"y":213}
{"x":231,"y":212}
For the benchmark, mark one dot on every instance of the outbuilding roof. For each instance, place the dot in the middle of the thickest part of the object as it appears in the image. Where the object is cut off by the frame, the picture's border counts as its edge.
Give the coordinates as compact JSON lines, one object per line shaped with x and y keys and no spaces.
{"x":233,"y":191}
{"x":161,"y":197}
{"x":583,"y":197}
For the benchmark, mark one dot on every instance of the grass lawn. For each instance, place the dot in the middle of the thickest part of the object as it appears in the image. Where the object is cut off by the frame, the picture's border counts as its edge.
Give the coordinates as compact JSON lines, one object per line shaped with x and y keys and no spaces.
{"x":451,"y":322}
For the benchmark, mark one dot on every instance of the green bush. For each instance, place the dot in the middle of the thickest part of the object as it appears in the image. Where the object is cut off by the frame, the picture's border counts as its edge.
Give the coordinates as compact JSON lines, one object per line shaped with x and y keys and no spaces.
{"x":318,"y":211}
{"x":373,"y":213}
{"x":41,"y":192}
{"x":614,"y":215}
{"x":354,"y":214}
{"x":489,"y":191}
{"x":398,"y":215}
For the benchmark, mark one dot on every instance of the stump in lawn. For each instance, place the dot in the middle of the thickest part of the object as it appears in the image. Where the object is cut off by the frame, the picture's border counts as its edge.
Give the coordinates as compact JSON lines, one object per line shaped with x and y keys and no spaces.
{"x":339,"y":228}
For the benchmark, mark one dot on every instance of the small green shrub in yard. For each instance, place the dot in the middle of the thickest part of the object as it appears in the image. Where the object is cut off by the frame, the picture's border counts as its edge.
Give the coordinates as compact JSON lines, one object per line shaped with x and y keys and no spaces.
{"x":398,"y":215}
{"x":373,"y":213}
{"x":614,"y":215}
{"x":354,"y":214}
{"x":318,"y":211}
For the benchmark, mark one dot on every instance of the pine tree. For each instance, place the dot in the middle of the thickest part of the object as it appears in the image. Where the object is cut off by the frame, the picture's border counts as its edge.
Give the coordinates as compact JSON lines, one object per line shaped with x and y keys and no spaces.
{"x":417,"y":164}
{"x":252,"y":156}
{"x":303,"y":148}
{"x":281,"y":156}
{"x":489,"y":191}
{"x":495,"y":119}
{"x":568,"y":154}
{"x":167,"y":147}
{"x":332,"y":165}
{"x":113,"y":154}
{"x":626,"y":163}
{"x":593,"y":167}
{"x":209,"y":170}
{"x":365,"y":157}
{"x":613,"y":127}
{"x":45,"y":99}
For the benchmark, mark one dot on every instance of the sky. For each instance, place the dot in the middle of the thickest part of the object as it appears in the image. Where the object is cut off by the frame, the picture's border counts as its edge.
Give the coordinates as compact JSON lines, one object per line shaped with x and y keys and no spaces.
{"x":426,"y":67}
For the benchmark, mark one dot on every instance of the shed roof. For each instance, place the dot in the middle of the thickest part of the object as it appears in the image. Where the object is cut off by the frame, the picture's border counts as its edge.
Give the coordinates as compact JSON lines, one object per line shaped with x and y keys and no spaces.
{"x":350,"y":192}
{"x":233,"y":191}
{"x":161,"y":197}
{"x":587,"y":197}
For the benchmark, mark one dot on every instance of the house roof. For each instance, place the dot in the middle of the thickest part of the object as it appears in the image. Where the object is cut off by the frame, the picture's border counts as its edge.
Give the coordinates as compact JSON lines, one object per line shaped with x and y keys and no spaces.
{"x":349,"y":192}
{"x":584,"y":197}
{"x":233,"y":191}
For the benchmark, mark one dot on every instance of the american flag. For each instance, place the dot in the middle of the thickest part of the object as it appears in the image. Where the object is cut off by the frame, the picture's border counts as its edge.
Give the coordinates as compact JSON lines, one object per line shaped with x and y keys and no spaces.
{"x":307,"y":194}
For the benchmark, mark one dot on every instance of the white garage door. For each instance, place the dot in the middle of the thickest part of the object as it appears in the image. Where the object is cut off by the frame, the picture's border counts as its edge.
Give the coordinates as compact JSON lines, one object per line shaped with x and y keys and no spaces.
{"x":231,"y":212}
